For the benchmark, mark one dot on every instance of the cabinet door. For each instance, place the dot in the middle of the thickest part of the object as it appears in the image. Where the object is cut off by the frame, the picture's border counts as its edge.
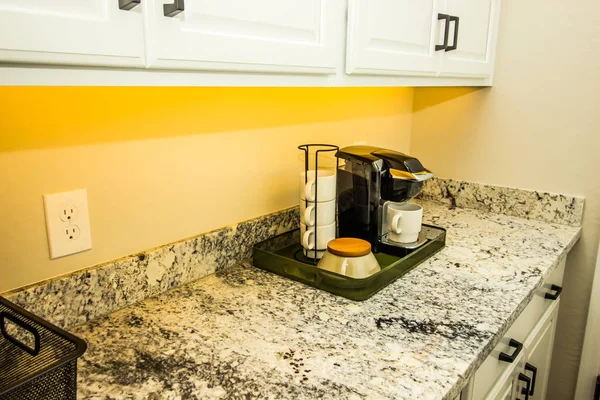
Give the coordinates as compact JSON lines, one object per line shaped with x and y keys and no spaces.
{"x":504,"y":388}
{"x":476,"y":38}
{"x":242,"y":35}
{"x":505,"y":392}
{"x":79,"y":32}
{"x":539,"y":354}
{"x":393,"y":37}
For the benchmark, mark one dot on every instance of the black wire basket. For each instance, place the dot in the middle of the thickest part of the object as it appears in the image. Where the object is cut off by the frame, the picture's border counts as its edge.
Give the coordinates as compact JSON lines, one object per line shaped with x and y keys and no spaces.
{"x":38,"y":360}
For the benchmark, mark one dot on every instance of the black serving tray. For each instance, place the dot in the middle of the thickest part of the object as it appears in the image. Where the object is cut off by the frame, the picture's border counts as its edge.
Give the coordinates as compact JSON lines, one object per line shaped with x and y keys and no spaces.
{"x":283,"y":256}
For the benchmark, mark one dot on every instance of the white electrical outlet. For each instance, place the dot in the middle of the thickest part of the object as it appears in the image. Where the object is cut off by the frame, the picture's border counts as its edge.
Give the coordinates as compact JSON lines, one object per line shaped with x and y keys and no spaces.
{"x":68,"y":213}
{"x":73,"y":232}
{"x":67,"y":223}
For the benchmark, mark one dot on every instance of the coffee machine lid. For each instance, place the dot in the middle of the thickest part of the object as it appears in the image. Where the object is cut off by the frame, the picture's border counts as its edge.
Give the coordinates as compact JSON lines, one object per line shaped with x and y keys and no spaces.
{"x":399,"y":161}
{"x":393,"y":159}
{"x":361,"y":153}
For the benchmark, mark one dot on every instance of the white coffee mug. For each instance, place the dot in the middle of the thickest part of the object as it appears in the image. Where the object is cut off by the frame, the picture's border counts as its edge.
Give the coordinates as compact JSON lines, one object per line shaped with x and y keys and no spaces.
{"x":325,"y":181}
{"x":404,"y":222}
{"x":324,"y":234}
{"x":321,"y":213}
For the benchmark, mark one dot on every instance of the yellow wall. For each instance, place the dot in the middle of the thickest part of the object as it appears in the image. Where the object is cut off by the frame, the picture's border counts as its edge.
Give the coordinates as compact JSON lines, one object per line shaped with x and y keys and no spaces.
{"x":536,"y":128}
{"x":33,"y":117}
{"x":162,"y":164}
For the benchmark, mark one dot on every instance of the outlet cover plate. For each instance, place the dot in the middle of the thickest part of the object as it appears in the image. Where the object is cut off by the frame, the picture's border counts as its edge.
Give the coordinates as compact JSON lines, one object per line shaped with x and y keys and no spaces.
{"x":66,"y":212}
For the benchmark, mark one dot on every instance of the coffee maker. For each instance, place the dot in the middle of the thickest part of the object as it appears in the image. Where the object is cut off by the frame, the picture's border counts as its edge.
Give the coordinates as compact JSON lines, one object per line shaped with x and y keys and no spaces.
{"x":368,"y":180}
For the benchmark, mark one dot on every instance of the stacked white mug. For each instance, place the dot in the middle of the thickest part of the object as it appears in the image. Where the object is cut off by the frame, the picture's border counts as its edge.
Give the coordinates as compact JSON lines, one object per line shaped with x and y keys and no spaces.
{"x":317,"y":211}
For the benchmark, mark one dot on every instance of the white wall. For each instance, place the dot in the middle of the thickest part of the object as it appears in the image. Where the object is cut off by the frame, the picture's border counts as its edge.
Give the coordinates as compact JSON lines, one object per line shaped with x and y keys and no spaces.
{"x":538,"y":127}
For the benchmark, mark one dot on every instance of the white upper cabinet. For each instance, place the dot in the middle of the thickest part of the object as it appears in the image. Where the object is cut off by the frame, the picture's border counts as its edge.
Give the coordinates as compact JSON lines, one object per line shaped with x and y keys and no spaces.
{"x":474,"y":25}
{"x":393,"y":37}
{"x":448,"y":38}
{"x":77,"y":32}
{"x":302,"y":36}
{"x":249,"y":42}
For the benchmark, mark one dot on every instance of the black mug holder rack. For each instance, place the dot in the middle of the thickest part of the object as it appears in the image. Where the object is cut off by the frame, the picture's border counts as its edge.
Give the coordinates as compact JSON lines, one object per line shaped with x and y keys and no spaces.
{"x":319,"y":149}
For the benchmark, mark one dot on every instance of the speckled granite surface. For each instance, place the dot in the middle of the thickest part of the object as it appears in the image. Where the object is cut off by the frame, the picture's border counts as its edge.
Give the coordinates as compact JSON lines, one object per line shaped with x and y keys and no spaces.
{"x":542,"y":206}
{"x":87,"y":294}
{"x":84,"y":295}
{"x":245,"y":333}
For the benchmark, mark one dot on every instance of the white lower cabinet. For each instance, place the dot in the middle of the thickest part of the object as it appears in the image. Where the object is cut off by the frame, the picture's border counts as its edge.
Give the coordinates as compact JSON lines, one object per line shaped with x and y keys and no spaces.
{"x":528,"y":374}
{"x":518,"y":367}
{"x":539,"y":354}
{"x":505,"y":388}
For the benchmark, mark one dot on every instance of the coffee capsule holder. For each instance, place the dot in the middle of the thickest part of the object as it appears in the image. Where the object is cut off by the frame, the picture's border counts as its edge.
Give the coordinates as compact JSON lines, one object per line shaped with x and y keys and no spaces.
{"x":311,"y":255}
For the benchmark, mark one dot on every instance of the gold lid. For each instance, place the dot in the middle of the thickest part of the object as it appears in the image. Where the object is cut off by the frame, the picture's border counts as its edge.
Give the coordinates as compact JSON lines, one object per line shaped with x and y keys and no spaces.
{"x":349,"y":247}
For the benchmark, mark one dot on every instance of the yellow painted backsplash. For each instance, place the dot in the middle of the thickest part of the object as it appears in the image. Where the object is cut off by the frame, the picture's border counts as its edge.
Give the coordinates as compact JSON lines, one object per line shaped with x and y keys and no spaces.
{"x":162,"y":164}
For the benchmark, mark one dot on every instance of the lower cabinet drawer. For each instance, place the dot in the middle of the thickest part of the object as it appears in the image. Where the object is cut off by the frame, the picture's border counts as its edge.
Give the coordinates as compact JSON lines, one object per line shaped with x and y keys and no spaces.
{"x":512,"y":343}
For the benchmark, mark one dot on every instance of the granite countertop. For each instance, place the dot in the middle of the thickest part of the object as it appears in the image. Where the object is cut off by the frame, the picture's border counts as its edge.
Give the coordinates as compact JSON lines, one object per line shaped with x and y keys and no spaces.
{"x":246,"y":333}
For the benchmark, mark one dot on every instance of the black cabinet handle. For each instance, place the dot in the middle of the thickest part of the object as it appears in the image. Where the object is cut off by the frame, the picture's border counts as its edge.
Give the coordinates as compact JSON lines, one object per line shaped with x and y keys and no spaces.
{"x":527,"y":388}
{"x":533,"y":370}
{"x":455,"y":42}
{"x":127,"y":5}
{"x":553,"y":296}
{"x":510,"y":358}
{"x":439,"y":47}
{"x":171,"y":10}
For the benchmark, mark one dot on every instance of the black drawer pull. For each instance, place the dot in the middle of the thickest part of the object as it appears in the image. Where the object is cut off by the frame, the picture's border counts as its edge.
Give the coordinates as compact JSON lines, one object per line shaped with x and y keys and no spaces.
{"x":24,"y":325}
{"x":553,"y":296}
{"x":533,"y":370}
{"x":510,"y":358}
{"x":439,"y":47}
{"x":527,"y":388}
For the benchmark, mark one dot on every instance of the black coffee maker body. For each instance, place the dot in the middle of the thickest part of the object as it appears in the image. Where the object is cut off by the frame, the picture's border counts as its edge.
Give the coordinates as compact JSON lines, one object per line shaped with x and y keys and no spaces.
{"x":368,"y":179}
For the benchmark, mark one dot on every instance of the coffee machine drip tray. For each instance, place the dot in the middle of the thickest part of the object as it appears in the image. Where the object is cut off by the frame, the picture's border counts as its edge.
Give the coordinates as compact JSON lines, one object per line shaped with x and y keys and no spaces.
{"x":279,"y":255}
{"x":410,"y":246}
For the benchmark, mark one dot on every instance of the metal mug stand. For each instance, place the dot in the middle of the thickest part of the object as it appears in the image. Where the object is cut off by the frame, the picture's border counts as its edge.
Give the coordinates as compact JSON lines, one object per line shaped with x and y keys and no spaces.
{"x":323,"y":148}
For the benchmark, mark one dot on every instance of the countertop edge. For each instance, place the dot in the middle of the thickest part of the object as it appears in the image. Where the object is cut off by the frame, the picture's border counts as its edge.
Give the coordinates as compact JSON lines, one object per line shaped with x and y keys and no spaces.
{"x":472,"y":369}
